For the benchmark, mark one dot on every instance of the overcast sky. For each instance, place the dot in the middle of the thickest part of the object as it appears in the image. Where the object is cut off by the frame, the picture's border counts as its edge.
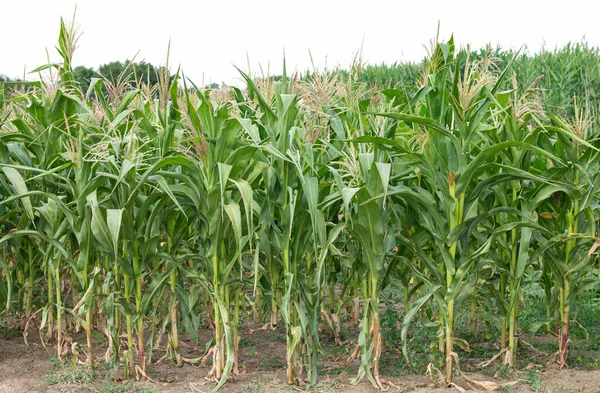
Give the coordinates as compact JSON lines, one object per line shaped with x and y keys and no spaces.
{"x":207,"y":37}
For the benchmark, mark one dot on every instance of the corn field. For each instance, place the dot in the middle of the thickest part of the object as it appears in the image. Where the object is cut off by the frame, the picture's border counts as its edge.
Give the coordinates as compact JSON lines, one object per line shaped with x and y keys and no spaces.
{"x":142,"y":213}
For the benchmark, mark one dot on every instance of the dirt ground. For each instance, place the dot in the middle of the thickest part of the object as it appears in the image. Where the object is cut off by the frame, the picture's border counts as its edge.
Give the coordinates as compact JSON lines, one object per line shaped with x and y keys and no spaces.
{"x":30,"y":368}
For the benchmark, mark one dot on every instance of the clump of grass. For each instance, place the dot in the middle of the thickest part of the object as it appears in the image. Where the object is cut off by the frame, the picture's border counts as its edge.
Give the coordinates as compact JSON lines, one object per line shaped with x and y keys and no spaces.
{"x":64,"y":373}
{"x":254,"y":386}
{"x":108,"y":387}
{"x":8,"y":332}
{"x":272,"y":363}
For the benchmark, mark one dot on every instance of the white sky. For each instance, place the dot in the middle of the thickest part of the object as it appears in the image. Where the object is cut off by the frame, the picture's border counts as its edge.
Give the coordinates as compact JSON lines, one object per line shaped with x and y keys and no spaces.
{"x":207,"y":37}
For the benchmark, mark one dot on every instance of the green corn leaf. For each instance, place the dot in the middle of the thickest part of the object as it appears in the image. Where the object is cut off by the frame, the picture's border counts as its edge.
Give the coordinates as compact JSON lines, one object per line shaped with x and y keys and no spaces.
{"x":18,"y":183}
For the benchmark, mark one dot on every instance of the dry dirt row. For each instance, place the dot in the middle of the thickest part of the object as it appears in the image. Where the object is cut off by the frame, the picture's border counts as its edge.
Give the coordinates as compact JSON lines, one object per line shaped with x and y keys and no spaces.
{"x":28,"y":369}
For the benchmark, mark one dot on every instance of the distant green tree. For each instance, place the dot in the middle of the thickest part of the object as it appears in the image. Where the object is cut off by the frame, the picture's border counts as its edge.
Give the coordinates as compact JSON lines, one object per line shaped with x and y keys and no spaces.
{"x":118,"y":72}
{"x":84,"y":75}
{"x":141,"y":72}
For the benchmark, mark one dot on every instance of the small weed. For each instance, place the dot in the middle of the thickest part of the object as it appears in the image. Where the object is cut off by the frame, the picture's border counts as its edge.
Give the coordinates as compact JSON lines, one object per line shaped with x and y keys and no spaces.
{"x":585,"y":361}
{"x":338,"y":371}
{"x":533,"y":379}
{"x":64,"y":373}
{"x":109,"y":387}
{"x":99,"y":337}
{"x":505,"y":389}
{"x":336,"y":350}
{"x":246,"y":341}
{"x":9,"y":332}
{"x":421,"y":340}
{"x":504,"y":371}
{"x":272,"y":363}
{"x":549,"y":346}
{"x":254,"y":386}
{"x":394,"y":366}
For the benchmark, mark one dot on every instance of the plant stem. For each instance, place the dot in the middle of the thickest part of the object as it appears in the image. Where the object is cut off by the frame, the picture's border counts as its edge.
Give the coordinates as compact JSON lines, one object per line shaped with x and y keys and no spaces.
{"x":59,"y":332}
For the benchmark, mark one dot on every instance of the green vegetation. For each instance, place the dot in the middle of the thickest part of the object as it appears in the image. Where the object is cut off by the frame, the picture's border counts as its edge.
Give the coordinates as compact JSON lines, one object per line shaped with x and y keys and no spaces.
{"x":108,"y":387}
{"x":319,"y":207}
{"x":68,"y":374}
{"x":127,"y":72}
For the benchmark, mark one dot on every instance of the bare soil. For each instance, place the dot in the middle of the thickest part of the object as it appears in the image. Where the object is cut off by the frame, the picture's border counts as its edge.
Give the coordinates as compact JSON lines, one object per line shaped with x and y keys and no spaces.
{"x":28,"y":368}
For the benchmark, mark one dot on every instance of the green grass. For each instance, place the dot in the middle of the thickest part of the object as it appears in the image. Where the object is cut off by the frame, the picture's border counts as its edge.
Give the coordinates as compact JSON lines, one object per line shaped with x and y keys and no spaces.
{"x":8,"y":331}
{"x":272,"y":363}
{"x":64,"y":373}
{"x":111,"y":387}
